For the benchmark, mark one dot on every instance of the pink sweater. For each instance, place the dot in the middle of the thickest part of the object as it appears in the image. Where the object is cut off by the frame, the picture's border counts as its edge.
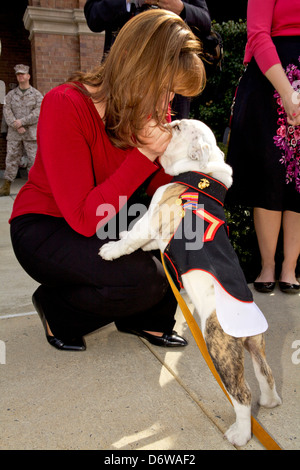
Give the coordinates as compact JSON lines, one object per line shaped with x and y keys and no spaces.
{"x":266,"y":19}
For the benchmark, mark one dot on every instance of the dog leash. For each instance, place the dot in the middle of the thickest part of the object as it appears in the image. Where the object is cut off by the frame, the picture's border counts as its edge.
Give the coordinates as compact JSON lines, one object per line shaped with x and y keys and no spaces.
{"x":260,"y":433}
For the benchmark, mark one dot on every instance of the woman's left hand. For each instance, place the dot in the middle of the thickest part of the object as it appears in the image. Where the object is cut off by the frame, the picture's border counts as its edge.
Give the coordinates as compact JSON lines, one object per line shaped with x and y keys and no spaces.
{"x":155,"y":140}
{"x":291,"y":104}
{"x":290,"y":97}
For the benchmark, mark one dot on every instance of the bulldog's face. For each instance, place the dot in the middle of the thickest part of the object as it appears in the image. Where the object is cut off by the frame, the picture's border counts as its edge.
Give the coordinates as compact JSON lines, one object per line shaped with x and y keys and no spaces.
{"x":191,"y":141}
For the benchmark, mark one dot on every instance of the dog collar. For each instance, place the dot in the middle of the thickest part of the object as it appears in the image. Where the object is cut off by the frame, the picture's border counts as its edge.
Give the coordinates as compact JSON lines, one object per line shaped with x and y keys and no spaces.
{"x":204,"y":184}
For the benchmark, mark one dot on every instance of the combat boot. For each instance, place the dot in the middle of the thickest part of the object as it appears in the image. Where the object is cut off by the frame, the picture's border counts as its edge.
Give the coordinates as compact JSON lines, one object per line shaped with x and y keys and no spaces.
{"x":5,"y":188}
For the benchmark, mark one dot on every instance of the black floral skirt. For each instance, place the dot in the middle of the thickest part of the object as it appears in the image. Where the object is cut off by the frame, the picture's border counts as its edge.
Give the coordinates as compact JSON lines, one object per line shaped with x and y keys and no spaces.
{"x":264,"y":151}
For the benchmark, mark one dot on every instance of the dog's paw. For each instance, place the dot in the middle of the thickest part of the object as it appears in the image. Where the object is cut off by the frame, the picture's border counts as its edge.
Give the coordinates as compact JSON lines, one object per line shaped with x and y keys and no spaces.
{"x":238,"y":435}
{"x":123,"y":234}
{"x":110,"y":251}
{"x":270,"y":400}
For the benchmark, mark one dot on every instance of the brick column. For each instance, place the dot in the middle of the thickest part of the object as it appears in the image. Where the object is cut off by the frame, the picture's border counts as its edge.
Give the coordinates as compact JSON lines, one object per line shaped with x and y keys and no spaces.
{"x":61,"y":43}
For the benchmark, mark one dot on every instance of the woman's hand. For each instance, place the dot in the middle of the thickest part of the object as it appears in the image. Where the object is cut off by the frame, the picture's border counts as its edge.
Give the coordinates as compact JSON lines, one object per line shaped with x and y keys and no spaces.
{"x":291,"y":104}
{"x":155,"y":140}
{"x":290,"y":98}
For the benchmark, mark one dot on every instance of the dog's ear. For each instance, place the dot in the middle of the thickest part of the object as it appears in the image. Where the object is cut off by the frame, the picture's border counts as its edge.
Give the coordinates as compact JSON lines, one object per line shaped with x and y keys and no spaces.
{"x":217,"y":154}
{"x":199,"y":150}
{"x":175,"y":123}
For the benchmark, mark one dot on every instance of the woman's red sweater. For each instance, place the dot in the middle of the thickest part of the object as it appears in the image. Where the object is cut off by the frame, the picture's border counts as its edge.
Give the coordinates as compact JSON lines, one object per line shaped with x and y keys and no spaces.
{"x":74,"y":151}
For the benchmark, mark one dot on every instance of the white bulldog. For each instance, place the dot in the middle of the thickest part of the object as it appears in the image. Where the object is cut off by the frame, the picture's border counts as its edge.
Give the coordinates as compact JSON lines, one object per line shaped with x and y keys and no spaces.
{"x":229,"y":319}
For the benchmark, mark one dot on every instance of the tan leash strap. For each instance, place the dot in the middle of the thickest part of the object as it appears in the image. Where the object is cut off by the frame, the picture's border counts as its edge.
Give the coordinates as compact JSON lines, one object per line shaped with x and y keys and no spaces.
{"x":257,"y":429}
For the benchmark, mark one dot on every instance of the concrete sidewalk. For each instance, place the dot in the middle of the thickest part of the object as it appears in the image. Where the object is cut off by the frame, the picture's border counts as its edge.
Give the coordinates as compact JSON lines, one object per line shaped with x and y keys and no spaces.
{"x":122,"y":393}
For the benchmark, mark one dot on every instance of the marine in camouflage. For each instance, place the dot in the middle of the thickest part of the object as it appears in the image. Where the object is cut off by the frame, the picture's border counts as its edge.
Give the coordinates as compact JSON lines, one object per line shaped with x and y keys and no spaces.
{"x":22,"y":105}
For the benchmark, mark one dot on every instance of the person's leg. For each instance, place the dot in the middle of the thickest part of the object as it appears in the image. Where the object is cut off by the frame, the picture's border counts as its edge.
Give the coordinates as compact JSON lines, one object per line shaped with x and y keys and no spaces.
{"x":291,"y":246}
{"x":12,"y":161}
{"x":77,"y":311}
{"x":267,"y":227}
{"x":31,"y":149}
{"x":80,"y":291}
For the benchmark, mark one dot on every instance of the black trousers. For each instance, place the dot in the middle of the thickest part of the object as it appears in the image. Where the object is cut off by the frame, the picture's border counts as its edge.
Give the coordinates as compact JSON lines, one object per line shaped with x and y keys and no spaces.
{"x":80,"y":292}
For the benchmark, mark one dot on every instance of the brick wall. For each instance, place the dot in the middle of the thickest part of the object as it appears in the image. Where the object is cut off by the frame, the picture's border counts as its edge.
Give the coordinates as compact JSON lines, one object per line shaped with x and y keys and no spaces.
{"x":61,"y":41}
{"x":59,"y":4}
{"x":54,"y":57}
{"x":51,"y":36}
{"x":15,"y":49}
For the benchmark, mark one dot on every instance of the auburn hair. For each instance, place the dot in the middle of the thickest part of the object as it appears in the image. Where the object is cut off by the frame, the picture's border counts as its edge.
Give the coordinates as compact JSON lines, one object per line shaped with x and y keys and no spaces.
{"x":154,"y":54}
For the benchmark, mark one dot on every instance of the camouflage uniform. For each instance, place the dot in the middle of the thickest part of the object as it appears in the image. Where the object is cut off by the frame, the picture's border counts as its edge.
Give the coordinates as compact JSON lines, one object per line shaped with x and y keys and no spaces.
{"x":25,"y":106}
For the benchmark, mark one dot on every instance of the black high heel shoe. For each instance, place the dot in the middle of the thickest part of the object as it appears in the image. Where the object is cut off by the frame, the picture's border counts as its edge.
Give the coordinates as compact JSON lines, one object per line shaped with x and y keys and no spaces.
{"x":265,"y":287}
{"x":75,"y":344}
{"x":289,"y":288}
{"x":172,"y":340}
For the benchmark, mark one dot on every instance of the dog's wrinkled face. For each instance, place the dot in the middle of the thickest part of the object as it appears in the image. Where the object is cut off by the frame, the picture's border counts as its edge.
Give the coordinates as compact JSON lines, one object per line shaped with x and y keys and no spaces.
{"x":191,"y":141}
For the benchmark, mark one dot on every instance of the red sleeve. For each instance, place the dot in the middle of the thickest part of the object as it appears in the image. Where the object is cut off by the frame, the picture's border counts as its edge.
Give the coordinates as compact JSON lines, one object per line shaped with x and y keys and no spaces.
{"x":68,"y":136}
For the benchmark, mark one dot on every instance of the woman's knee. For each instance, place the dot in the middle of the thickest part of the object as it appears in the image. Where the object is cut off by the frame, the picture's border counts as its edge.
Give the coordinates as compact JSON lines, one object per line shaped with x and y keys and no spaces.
{"x":152,"y":278}
{"x":139,"y":287}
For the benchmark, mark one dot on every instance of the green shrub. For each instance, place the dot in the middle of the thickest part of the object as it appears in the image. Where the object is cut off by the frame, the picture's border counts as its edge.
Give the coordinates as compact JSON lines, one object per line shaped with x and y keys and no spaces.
{"x":214,"y":104}
{"x":243,"y":239}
